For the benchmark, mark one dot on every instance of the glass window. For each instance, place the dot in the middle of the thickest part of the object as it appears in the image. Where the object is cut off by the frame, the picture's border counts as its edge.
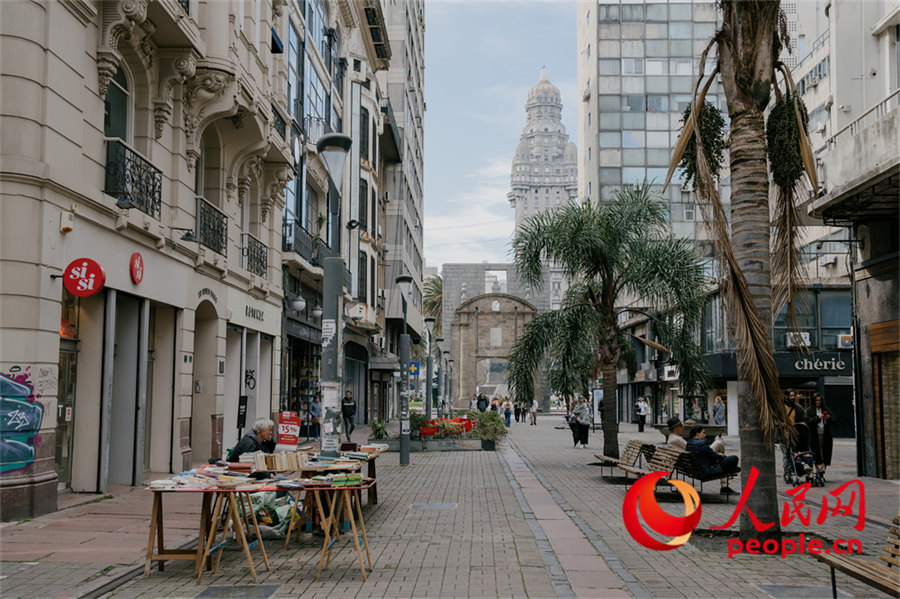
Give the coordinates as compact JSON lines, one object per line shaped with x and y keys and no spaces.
{"x":610,"y":176}
{"x":295,"y":75}
{"x":680,"y":47}
{"x":610,"y":120}
{"x":362,"y":283}
{"x":658,"y":121}
{"x":633,"y":103}
{"x":607,"y":66}
{"x":610,"y":139}
{"x":657,"y":31}
{"x":632,"y":139}
{"x":657,"y":103}
{"x":364,"y":133}
{"x":657,"y":47}
{"x":658,"y":157}
{"x":680,"y":102}
{"x":363,"y":205}
{"x":657,"y":85}
{"x":631,"y":174}
{"x":311,"y":211}
{"x":704,"y":30}
{"x":657,"y":139}
{"x":657,"y":12}
{"x":680,"y":12}
{"x":608,"y":102}
{"x":633,"y":120}
{"x":633,"y":157}
{"x":315,"y":93}
{"x":657,"y":66}
{"x":632,"y":66}
{"x":116,"y":107}
{"x":835,"y":308}
{"x":633,"y":12}
{"x":608,"y":12}
{"x":315,"y":25}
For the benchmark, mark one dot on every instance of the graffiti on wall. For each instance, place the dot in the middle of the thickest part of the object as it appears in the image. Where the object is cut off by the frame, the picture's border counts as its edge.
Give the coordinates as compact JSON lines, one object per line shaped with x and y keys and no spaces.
{"x":20,"y":418}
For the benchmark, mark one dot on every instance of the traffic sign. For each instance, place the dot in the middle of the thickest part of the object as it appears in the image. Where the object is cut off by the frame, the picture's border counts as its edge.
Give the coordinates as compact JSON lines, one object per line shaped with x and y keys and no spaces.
{"x":413,"y":368}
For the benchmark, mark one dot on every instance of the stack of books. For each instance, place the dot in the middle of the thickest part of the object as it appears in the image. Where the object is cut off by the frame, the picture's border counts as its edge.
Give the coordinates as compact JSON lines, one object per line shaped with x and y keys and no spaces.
{"x":346,"y":480}
{"x":282,"y":461}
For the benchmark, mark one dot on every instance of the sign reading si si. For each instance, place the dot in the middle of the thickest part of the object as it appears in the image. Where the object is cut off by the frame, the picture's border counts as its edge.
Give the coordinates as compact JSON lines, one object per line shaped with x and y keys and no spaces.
{"x":136,"y":268}
{"x":413,"y":368}
{"x":84,"y":277}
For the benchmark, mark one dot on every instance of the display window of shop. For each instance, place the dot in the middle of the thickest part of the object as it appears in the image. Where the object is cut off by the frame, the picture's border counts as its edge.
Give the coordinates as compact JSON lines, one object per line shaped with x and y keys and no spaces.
{"x":68,"y":369}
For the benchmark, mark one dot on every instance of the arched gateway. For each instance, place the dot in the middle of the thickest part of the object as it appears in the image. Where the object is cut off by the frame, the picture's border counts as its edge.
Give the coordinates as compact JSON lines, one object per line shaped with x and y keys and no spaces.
{"x":485,"y":328}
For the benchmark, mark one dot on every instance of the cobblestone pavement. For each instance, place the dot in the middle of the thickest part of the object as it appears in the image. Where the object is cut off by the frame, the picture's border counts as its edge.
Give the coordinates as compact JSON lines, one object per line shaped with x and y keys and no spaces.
{"x":534,"y":519}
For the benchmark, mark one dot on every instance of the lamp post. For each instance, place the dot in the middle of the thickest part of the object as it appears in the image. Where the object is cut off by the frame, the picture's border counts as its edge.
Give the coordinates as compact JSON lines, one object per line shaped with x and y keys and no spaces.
{"x":333,"y":149}
{"x":440,"y":371}
{"x":450,"y":400}
{"x":404,"y":283}
{"x":446,"y":397}
{"x":429,"y":369}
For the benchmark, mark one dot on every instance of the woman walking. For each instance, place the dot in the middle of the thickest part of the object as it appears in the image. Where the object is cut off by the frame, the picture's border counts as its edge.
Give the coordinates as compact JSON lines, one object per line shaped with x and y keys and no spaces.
{"x":507,"y":412}
{"x":820,"y":421}
{"x":582,"y":414}
{"x":719,"y":411}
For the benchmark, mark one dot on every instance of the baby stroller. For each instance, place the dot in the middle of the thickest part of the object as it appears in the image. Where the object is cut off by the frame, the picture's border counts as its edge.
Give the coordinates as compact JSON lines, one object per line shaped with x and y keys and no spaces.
{"x":803,"y":461}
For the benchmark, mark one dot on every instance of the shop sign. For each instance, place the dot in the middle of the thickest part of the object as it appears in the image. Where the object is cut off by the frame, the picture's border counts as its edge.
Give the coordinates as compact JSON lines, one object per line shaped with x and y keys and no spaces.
{"x":136,"y":268}
{"x":288,"y":428}
{"x":820,"y":365}
{"x":814,"y":364}
{"x":209,"y":292}
{"x":255,"y":313}
{"x":84,"y":277}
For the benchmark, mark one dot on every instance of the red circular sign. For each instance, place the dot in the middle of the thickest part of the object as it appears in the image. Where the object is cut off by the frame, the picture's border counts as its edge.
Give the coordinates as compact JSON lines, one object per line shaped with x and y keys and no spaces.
{"x":84,"y":277}
{"x":136,"y":268}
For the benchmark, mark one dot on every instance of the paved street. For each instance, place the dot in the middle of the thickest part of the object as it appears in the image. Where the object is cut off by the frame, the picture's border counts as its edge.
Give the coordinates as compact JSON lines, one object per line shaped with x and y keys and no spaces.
{"x":533,"y":519}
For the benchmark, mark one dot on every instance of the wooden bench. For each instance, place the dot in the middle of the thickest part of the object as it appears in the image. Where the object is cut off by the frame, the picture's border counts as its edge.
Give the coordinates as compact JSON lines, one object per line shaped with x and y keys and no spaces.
{"x":687,"y":465}
{"x":629,"y":456}
{"x":663,"y":460}
{"x":883,"y":575}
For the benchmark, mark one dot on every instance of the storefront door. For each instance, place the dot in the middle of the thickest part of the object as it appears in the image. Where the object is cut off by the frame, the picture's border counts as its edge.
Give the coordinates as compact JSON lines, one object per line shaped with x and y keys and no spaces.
{"x":65,"y":417}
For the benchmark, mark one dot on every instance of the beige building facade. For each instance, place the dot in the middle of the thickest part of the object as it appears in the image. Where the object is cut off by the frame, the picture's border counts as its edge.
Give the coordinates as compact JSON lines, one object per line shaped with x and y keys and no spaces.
{"x":147,"y":138}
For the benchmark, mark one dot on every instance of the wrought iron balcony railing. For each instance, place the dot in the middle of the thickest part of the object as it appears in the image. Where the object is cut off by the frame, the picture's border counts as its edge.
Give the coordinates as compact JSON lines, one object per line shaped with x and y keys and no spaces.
{"x":212,"y":227}
{"x":348,"y":279}
{"x":255,"y":254}
{"x":315,"y":128}
{"x":132,"y":179}
{"x":295,"y":238}
{"x":279,"y":123}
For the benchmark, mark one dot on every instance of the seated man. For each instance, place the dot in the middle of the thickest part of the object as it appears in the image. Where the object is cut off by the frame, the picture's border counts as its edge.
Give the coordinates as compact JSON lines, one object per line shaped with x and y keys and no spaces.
{"x":710,"y":462}
{"x":258,"y":438}
{"x":676,"y":430}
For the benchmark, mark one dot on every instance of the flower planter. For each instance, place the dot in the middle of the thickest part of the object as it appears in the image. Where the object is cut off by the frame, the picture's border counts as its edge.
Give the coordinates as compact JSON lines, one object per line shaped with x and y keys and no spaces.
{"x":488,"y":445}
{"x":394,"y":444}
{"x":453,"y":445}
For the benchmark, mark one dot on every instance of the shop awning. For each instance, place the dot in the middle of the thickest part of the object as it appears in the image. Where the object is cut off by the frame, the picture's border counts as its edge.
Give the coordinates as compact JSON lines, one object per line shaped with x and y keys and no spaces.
{"x":386,"y":362}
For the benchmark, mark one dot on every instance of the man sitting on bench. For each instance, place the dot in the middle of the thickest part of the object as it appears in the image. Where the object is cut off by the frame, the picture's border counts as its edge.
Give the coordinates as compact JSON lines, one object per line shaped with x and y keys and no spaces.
{"x":676,"y":439}
{"x":710,"y":462}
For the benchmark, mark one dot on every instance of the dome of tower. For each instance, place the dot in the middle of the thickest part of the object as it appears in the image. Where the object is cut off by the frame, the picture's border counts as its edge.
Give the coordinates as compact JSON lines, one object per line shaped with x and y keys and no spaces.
{"x":544,"y":89}
{"x":571,"y":154}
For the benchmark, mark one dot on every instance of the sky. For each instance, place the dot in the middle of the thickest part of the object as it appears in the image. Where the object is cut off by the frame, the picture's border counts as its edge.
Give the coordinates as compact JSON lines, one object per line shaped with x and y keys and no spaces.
{"x":481,"y":58}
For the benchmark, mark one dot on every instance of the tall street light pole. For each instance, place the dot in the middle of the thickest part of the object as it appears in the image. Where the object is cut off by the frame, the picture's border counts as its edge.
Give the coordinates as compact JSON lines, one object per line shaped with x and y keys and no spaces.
{"x":333,"y":149}
{"x":404,"y":283}
{"x":450,"y":401}
{"x":440,"y":372}
{"x":446,"y":397}
{"x":428,"y":396}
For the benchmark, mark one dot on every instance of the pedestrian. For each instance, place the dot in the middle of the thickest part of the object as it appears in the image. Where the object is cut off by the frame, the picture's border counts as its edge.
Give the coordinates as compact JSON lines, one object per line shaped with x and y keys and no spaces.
{"x":348,"y":411}
{"x":482,"y":403}
{"x":517,"y":410}
{"x":533,"y":412}
{"x":582,"y":414}
{"x":820,"y":421}
{"x":710,"y":462}
{"x":473,"y":403}
{"x":719,"y":411}
{"x":507,"y":412}
{"x":315,"y":412}
{"x":642,"y":407}
{"x":793,"y":412}
{"x":495,"y":405}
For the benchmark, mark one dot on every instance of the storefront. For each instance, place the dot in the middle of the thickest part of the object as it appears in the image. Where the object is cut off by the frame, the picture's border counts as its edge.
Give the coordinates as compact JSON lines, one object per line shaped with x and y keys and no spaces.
{"x":356,"y":377}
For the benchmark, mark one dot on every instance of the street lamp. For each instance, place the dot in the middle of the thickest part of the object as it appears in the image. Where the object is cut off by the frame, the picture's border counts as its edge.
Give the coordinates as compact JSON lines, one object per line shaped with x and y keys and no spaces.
{"x":429,"y":368}
{"x":298,"y":305}
{"x":333,"y":149}
{"x":450,"y":401}
{"x":446,"y":353}
{"x":404,"y":284}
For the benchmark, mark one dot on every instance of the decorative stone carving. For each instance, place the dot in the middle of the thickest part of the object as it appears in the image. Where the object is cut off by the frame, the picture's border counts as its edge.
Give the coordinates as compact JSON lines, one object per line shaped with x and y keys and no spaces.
{"x":276,"y":179}
{"x":176,"y":65}
{"x":278,"y":7}
{"x":118,"y":19}
{"x":203,"y":89}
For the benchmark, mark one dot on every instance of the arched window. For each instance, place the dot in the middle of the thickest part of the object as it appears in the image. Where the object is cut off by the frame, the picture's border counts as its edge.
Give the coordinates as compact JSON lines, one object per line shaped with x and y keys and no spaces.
{"x":117,"y":107}
{"x":495,"y":306}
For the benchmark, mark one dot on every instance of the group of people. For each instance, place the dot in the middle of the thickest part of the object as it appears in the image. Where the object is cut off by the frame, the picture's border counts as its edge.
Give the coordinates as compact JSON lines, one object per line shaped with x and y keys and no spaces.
{"x":811,"y":433}
{"x":520,"y":409}
{"x":710,"y":455}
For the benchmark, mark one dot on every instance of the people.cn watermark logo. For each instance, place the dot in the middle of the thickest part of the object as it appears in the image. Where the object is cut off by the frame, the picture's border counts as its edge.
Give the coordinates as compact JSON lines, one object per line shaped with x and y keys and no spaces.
{"x":641,"y":499}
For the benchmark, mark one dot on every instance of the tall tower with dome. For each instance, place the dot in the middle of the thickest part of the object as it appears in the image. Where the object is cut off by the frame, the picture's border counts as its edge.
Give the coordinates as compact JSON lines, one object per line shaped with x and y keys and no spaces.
{"x":544,"y":169}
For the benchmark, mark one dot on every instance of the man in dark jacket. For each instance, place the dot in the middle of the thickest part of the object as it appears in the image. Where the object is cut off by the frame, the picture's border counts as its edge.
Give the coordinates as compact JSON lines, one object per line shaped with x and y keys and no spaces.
{"x":348,"y":411}
{"x":710,"y":462}
{"x":482,"y":403}
{"x":258,"y":438}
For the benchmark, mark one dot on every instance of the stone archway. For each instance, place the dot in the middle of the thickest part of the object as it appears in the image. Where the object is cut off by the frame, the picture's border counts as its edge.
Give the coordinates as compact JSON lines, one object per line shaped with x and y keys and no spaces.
{"x":483,"y":327}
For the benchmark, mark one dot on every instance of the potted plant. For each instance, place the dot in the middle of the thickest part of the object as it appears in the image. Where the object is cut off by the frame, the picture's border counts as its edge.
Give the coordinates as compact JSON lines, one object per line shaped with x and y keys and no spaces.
{"x":379,"y":431}
{"x":489,"y":427}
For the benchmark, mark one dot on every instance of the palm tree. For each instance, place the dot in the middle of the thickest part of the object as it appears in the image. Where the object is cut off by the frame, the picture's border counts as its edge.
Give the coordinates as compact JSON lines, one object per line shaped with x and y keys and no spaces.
{"x":433,"y":301}
{"x":621,"y":247}
{"x":752,"y":35}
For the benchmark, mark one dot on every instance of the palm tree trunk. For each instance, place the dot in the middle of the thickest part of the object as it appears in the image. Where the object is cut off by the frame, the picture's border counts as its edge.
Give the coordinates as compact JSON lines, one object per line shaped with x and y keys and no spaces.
{"x":750,"y":240}
{"x":610,"y":410}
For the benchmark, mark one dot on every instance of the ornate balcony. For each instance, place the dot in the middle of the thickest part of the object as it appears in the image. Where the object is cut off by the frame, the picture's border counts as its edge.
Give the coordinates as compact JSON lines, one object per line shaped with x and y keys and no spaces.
{"x":315,"y":128}
{"x":279,"y":123}
{"x":296,"y":239}
{"x":212,"y":227}
{"x":132,"y":179}
{"x":255,"y":255}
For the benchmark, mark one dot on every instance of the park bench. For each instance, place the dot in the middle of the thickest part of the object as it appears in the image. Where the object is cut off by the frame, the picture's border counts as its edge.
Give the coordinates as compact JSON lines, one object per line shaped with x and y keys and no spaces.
{"x":629,"y":456}
{"x":883,"y":575}
{"x":687,"y":465}
{"x":663,"y":460}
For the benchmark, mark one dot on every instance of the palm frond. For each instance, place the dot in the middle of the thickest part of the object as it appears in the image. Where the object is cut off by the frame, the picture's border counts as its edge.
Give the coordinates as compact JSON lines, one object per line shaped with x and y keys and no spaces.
{"x":433,"y":301}
{"x":528,"y":352}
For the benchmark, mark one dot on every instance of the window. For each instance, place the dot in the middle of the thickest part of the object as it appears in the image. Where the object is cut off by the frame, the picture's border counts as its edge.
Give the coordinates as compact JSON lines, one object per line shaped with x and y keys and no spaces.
{"x":295,"y":75}
{"x":689,"y":212}
{"x":657,"y":103}
{"x":315,"y":25}
{"x":633,"y":103}
{"x":607,"y":66}
{"x":657,"y":139}
{"x":363,"y":133}
{"x":682,"y":66}
{"x":633,"y":12}
{"x":632,"y":66}
{"x":608,"y":12}
{"x":632,"y":139}
{"x":372,"y":297}
{"x":117,"y":107}
{"x":363,"y":205}
{"x":311,"y":212}
{"x":656,"y":66}
{"x":362,"y":283}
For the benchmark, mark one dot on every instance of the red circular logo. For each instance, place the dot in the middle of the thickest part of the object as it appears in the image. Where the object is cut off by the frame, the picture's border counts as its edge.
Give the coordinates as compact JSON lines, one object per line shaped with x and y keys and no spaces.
{"x":136,"y":268}
{"x":84,"y":277}
{"x":640,"y":498}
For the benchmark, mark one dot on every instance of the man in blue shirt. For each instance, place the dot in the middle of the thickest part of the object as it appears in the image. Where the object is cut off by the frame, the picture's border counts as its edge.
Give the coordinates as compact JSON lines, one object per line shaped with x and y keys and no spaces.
{"x":710,"y":462}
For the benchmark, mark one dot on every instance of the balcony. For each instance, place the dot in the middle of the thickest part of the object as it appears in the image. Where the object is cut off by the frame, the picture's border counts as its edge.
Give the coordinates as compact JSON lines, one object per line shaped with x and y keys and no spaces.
{"x":296,"y":239}
{"x":212,"y":227}
{"x":255,"y":255}
{"x":315,"y":128}
{"x":278,"y":122}
{"x":132,"y":179}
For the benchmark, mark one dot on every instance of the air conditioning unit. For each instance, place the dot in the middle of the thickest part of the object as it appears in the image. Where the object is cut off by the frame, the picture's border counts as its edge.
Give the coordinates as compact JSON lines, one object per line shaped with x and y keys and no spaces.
{"x":794,"y":339}
{"x":381,"y":293}
{"x":828,"y":259}
{"x":845,"y":341}
{"x":378,"y":340}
